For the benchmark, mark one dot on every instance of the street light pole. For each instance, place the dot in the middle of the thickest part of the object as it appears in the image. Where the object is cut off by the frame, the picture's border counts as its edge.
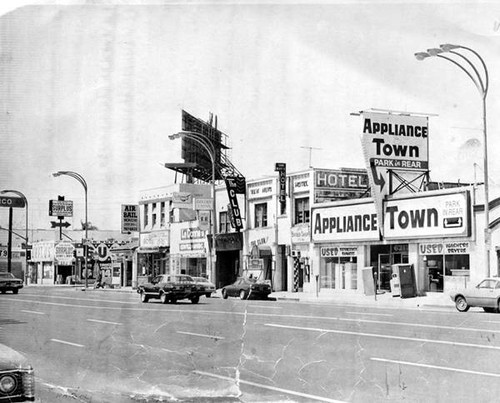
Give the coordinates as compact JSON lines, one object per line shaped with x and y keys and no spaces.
{"x":80,"y":179}
{"x":210,"y":149}
{"x":26,"y":236}
{"x":481,"y":81}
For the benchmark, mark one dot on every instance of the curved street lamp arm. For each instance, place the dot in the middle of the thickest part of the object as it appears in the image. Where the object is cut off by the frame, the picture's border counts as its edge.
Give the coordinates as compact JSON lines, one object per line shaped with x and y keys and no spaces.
{"x":201,"y":138}
{"x":479,"y":78}
{"x":74,"y":175}
{"x":478,"y":86}
{"x":483,"y":64}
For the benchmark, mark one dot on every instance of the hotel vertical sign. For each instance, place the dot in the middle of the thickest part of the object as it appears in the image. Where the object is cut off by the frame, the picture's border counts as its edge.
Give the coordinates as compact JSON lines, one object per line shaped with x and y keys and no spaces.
{"x":280,"y":167}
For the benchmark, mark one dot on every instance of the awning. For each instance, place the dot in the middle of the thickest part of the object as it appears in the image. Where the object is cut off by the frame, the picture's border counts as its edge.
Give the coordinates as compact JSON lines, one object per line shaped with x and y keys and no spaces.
{"x":146,"y":249}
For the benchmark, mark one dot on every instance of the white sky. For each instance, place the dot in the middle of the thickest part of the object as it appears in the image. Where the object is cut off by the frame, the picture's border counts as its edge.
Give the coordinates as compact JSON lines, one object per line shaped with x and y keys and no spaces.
{"x":97,"y":89}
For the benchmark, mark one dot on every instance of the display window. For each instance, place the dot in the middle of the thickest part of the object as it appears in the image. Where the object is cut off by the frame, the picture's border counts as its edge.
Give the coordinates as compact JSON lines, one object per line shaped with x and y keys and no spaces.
{"x":338,"y":273}
{"x":446,"y":271}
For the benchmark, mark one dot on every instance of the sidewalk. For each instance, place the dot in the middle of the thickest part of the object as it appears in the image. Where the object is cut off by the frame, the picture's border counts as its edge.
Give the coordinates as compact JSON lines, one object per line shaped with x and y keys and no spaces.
{"x":341,"y":297}
{"x":431,"y":300}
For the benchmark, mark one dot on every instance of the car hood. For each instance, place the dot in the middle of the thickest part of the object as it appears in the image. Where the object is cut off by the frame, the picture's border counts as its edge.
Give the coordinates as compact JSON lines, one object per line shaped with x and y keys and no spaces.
{"x":11,"y":359}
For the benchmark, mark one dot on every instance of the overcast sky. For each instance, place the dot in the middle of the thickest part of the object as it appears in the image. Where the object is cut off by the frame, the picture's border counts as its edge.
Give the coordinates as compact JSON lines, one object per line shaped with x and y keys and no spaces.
{"x":98,"y":89}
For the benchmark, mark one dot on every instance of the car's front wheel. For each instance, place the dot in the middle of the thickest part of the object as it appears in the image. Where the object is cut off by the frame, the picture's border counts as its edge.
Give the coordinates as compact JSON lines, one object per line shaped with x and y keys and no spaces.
{"x":144,"y":297}
{"x":15,"y":290}
{"x":461,"y":304}
{"x":243,"y":294}
{"x":224,"y":293}
{"x":195,"y":300}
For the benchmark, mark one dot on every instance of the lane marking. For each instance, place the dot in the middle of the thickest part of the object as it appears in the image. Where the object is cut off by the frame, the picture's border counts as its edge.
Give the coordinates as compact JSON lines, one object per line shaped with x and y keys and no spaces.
{"x":372,"y":314}
{"x":275,"y":389}
{"x":67,"y":342}
{"x":35,"y":312}
{"x":81,"y":299}
{"x":383,"y":336}
{"x":202,"y":335}
{"x":104,"y":321}
{"x":271,"y":315}
{"x":414,"y":364}
{"x":266,"y":307}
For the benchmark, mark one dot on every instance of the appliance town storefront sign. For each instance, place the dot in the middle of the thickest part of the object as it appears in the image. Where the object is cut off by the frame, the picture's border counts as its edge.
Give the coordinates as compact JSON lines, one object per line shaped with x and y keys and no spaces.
{"x":347,"y":222}
{"x":445,"y":215}
{"x":422,"y":216}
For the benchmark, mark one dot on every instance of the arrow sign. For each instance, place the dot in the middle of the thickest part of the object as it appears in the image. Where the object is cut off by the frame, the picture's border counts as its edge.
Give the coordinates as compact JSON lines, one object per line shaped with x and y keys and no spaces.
{"x":59,"y":224}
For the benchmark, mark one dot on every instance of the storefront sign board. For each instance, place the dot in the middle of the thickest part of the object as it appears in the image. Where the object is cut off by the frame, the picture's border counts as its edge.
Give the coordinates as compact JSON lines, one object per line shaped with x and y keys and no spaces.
{"x":130,"y":218}
{"x":339,"y":251}
{"x":447,"y":248}
{"x":445,"y":215}
{"x":353,"y":222}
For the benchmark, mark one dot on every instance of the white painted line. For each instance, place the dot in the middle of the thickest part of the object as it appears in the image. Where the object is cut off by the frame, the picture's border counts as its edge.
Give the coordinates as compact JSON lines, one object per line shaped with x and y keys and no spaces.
{"x":266,"y":307}
{"x":369,"y":313}
{"x":414,"y":364}
{"x":35,"y":312}
{"x":384,"y":336}
{"x":202,"y":335}
{"x":67,"y":342}
{"x":259,"y":385}
{"x":104,"y":321}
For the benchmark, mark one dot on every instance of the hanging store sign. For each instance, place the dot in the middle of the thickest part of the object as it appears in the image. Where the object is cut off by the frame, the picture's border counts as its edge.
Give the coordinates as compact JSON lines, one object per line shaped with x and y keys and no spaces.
{"x":130,"y":218}
{"x":60,"y":208}
{"x":393,"y":142}
{"x":231,"y":186}
{"x":280,"y":167}
{"x":445,"y":215}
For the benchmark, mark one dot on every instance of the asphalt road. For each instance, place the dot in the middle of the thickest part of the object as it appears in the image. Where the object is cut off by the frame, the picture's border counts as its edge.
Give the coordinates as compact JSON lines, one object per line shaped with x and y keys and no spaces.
{"x":105,"y":346}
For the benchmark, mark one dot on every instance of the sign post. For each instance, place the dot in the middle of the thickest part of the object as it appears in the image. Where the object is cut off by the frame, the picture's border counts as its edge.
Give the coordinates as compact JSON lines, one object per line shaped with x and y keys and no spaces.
{"x":10,"y":202}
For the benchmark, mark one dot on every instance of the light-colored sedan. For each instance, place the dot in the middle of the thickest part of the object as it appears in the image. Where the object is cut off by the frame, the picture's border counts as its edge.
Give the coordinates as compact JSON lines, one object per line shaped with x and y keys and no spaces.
{"x":209,"y":287}
{"x":485,"y":295}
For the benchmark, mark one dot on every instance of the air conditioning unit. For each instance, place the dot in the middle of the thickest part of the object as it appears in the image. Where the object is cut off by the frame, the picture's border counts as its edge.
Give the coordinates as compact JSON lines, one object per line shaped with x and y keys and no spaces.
{"x":295,"y":253}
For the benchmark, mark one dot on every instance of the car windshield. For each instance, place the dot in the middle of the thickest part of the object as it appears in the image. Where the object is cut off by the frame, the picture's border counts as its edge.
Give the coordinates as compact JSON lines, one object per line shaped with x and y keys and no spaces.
{"x":6,"y":275}
{"x":487,"y":284}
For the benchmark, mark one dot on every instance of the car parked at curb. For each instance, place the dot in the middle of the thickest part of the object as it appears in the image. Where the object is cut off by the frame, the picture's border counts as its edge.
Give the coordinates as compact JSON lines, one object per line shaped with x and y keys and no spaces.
{"x":171,"y":288}
{"x":485,"y":295}
{"x":9,"y":282}
{"x":17,"y":377}
{"x":209,"y":286}
{"x":246,"y":288}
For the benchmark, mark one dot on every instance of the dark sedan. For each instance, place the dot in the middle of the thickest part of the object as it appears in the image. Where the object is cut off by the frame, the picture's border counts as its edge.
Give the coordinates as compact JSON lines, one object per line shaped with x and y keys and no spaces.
{"x":8,"y":282}
{"x":246,"y":288}
{"x":17,"y":378}
{"x":171,"y":288}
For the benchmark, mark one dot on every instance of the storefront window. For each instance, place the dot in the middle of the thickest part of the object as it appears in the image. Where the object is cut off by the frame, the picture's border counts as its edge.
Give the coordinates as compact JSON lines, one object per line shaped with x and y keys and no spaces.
{"x":224,"y":224}
{"x":338,"y":273}
{"x":146,"y":215}
{"x":162,"y":214}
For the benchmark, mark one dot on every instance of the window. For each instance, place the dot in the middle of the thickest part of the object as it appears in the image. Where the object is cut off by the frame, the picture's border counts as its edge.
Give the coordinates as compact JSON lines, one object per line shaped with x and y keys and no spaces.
{"x":261,"y":215}
{"x":302,"y":210}
{"x":162,"y":214}
{"x":146,"y":215}
{"x":224,"y":222}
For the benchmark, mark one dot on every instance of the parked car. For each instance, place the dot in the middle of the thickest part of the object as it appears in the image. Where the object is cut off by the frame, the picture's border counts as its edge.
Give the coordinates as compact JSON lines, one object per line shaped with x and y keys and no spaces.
{"x":17,"y":377}
{"x":485,"y":295}
{"x":245,"y":288}
{"x":171,"y":288}
{"x":8,"y":282}
{"x":209,"y":287}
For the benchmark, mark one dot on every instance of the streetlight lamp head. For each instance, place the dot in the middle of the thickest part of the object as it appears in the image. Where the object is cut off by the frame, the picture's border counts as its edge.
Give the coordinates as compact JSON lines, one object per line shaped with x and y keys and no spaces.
{"x":434,"y":51}
{"x":56,"y":174}
{"x":447,"y":47}
{"x":422,"y":55}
